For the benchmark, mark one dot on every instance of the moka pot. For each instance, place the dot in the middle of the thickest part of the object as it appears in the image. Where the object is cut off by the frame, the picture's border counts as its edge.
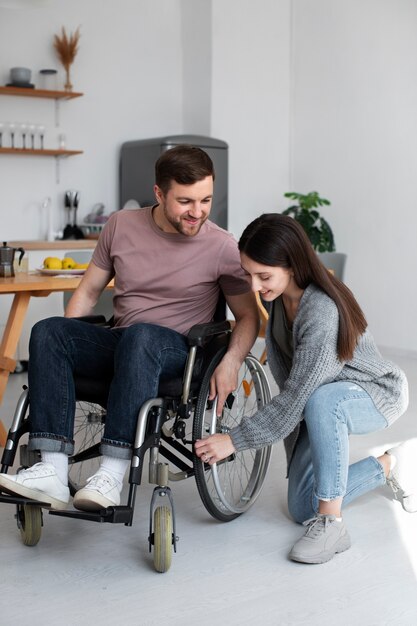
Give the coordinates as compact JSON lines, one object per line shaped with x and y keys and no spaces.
{"x":7,"y":259}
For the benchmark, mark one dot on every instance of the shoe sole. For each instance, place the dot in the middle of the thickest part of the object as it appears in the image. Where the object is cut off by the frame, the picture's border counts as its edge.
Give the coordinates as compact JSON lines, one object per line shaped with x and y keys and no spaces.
{"x":9,"y":486}
{"x":84,"y":503}
{"x":342,"y":545}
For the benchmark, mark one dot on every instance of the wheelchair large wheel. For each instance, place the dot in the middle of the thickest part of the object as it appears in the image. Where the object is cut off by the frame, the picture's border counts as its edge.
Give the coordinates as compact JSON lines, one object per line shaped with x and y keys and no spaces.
{"x":88,"y":430}
{"x":162,"y":540}
{"x":230,"y":487}
{"x":29,"y":521}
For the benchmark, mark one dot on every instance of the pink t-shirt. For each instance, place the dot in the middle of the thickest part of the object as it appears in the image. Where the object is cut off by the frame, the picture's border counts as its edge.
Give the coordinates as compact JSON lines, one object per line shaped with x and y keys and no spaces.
{"x":168,"y":279}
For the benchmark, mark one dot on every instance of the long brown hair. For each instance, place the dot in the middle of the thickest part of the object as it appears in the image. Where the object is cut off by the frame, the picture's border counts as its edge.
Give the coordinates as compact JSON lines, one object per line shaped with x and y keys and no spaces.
{"x":279,"y":241}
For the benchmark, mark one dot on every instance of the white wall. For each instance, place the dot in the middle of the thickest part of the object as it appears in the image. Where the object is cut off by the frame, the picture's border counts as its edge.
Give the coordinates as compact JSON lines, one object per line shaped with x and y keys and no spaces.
{"x":130,"y":68}
{"x":354,"y":104}
{"x":309,"y":95}
{"x":196,"y":37}
{"x":250,"y":102}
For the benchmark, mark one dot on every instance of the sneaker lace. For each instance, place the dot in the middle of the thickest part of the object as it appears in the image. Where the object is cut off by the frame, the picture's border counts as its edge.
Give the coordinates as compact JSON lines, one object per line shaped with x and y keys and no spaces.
{"x":393,"y":483}
{"x":98,"y":481}
{"x":39,"y":469}
{"x":316,"y":525}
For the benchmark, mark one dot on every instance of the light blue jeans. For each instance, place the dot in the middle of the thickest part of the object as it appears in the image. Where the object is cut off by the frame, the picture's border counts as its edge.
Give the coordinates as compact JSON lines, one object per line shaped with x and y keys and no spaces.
{"x":320,"y":469}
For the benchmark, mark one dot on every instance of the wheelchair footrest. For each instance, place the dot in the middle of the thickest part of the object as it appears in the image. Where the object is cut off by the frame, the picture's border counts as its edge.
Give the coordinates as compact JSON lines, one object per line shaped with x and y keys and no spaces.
{"x":22,"y":501}
{"x":112,"y":515}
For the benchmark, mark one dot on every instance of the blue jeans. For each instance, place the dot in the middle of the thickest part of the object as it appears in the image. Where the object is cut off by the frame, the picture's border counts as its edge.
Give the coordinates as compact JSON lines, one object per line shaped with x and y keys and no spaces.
{"x":132,"y":359}
{"x":319,"y":469}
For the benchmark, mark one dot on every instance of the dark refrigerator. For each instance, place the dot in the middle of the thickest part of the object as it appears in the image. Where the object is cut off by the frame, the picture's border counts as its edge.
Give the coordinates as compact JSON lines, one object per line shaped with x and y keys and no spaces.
{"x":137,"y":161}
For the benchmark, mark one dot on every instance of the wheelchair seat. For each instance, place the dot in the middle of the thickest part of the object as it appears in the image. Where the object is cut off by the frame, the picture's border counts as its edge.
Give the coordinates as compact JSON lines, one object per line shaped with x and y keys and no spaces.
{"x":96,"y":390}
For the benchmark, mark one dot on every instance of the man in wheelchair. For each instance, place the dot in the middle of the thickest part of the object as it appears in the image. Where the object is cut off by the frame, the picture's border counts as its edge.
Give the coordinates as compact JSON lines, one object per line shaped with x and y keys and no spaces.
{"x":169,"y":263}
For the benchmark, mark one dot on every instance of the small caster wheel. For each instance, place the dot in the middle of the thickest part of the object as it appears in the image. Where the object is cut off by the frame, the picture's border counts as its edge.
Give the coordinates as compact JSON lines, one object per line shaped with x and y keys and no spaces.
{"x":163,"y":539}
{"x":29,"y":521}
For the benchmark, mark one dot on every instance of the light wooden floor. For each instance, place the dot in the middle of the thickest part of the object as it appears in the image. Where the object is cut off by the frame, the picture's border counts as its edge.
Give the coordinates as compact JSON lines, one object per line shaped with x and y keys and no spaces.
{"x":238,"y":573}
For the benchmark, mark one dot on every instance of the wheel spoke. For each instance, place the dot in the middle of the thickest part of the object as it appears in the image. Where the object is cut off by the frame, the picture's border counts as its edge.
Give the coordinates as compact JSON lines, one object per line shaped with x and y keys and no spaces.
{"x":88,"y":428}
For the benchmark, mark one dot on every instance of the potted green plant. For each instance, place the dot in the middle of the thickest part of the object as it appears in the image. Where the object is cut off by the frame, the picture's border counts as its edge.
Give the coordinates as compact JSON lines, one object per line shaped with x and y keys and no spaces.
{"x":317,"y":228}
{"x":305,"y":213}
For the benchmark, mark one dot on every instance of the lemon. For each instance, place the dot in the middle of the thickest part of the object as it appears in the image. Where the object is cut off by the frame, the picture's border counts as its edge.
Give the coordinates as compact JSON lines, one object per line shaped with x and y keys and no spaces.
{"x":81,"y":266}
{"x":52,"y":263}
{"x":68,"y":263}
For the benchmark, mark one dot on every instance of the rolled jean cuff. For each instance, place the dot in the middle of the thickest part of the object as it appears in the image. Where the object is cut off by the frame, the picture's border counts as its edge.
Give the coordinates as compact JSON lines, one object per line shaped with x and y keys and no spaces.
{"x":116,"y":449}
{"x":330,"y":498}
{"x":50,"y":443}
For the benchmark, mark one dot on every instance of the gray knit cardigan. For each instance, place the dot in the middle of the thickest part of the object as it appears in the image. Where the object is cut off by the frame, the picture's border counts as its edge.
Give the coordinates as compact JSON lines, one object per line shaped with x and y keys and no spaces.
{"x":315,"y":363}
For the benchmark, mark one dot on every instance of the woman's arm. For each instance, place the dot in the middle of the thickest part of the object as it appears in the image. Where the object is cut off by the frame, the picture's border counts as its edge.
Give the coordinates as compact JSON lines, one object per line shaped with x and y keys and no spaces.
{"x":315,"y":362}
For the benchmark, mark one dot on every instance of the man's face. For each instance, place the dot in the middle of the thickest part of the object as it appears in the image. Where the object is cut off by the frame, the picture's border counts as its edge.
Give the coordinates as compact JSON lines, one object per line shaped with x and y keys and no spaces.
{"x":184,"y":208}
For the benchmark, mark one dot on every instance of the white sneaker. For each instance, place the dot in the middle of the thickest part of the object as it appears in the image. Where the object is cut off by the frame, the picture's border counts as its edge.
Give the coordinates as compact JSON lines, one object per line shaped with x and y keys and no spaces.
{"x":324,"y":537}
{"x":403,"y":476}
{"x":101,"y":491}
{"x":39,"y":482}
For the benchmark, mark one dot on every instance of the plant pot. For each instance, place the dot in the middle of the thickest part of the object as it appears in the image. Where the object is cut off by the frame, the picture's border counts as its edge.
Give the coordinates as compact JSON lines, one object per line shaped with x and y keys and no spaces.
{"x":334,"y":261}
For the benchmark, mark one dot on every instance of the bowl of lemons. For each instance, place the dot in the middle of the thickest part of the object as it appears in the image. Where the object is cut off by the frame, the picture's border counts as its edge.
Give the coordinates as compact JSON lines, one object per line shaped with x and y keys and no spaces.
{"x":54,"y":265}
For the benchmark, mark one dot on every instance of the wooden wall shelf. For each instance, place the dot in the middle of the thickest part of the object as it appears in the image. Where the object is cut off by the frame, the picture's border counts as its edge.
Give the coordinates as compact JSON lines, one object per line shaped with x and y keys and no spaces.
{"x":45,"y":152}
{"x":51,"y":95}
{"x":39,"y":93}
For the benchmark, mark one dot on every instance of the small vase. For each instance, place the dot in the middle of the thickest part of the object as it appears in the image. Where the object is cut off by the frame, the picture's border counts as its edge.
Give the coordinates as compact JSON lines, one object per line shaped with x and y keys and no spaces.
{"x":68,"y":85}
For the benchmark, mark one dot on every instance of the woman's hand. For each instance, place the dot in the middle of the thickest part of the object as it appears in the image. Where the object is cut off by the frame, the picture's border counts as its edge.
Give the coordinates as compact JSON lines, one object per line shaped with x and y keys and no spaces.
{"x":214,"y":448}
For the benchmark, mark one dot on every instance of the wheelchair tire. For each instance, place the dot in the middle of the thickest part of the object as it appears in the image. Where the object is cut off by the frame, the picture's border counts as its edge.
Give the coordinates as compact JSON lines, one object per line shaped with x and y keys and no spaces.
{"x":88,"y":430}
{"x":162,"y":541}
{"x":230,"y":487}
{"x":29,"y":519}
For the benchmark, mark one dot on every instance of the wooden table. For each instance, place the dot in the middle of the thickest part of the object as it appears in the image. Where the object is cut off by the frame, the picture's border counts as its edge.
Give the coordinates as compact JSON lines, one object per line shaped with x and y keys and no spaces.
{"x":24,"y":286}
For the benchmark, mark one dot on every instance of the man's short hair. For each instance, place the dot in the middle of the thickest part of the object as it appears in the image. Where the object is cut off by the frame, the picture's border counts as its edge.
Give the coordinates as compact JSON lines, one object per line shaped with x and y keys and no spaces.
{"x":186,"y":164}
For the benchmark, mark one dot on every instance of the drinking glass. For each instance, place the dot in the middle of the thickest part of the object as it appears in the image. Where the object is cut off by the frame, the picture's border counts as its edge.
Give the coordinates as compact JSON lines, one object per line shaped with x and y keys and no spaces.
{"x":12,"y":129}
{"x":23,"y":128}
{"x":41,"y":132}
{"x":32,"y":133}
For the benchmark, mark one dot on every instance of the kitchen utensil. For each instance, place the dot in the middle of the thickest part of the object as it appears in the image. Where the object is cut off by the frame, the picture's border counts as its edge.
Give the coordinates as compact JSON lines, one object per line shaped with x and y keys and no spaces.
{"x":71,"y":230}
{"x":7,"y":259}
{"x":68,"y":202}
{"x":78,"y":233}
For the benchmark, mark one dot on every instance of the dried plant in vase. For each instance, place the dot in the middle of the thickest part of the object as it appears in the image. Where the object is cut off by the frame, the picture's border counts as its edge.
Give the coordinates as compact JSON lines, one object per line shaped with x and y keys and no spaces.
{"x":66,"y":49}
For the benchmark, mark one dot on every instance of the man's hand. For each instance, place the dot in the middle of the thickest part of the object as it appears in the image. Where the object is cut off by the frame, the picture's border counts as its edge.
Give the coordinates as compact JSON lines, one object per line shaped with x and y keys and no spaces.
{"x":224,"y":380}
{"x":214,"y":448}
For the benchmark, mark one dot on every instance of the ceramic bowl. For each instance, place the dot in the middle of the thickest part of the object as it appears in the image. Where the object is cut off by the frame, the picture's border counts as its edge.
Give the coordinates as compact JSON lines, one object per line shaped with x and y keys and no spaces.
{"x":91,"y":231}
{"x":20,"y":75}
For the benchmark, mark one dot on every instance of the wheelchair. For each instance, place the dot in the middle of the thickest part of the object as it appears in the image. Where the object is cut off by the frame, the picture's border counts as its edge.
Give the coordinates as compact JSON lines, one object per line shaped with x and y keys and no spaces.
{"x":167,"y":426}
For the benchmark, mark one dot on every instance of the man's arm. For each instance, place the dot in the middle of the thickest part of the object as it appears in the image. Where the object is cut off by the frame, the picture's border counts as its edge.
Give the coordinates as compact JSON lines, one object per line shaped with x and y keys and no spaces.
{"x":224,"y":379}
{"x":88,"y":291}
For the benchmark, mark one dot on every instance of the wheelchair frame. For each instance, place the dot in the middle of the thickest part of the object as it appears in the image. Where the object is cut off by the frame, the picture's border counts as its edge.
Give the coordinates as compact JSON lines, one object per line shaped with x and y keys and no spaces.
{"x":150,"y":435}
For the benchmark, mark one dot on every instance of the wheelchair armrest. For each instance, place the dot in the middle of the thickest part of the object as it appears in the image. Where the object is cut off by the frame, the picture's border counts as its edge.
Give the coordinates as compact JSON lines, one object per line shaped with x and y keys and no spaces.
{"x":200,"y":333}
{"x":98,"y":320}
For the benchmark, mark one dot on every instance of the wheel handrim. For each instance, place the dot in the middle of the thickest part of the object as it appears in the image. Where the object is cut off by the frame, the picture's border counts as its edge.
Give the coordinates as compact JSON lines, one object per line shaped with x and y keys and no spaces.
{"x":235,"y":483}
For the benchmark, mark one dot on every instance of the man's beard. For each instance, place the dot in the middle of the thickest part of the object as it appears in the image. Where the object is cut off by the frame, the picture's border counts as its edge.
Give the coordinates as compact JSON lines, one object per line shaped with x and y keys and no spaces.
{"x":185,"y":229}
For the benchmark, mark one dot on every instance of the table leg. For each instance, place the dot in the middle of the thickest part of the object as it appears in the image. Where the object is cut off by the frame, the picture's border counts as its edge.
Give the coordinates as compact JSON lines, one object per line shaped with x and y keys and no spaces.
{"x":9,"y":343}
